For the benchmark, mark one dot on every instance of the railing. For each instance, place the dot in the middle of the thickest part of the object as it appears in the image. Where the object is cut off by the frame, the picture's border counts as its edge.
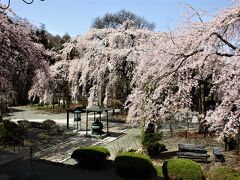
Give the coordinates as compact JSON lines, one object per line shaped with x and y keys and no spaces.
{"x":17,"y":142}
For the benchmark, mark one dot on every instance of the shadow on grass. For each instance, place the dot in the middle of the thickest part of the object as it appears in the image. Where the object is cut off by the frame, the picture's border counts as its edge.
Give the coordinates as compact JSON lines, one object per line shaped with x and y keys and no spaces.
{"x":10,"y":111}
{"x":106,"y":166}
{"x":16,"y":110}
{"x":166,"y":155}
{"x":116,"y":134}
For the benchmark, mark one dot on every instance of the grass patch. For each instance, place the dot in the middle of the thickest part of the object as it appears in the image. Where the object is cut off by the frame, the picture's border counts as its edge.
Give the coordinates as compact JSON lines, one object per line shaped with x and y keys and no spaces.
{"x":178,"y":168}
{"x":159,"y":170}
{"x":223,"y":173}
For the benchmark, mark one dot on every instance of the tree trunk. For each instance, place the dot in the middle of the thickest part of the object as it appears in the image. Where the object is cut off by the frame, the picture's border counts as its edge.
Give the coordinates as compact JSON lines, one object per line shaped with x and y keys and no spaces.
{"x":202,"y":108}
{"x":225,"y":143}
{"x":238,"y":140}
{"x":59,"y":99}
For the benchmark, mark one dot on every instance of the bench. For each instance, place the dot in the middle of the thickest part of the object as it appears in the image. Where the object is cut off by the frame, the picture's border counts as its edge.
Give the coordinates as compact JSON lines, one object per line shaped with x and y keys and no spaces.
{"x":196,"y":152}
{"x":218,"y":154}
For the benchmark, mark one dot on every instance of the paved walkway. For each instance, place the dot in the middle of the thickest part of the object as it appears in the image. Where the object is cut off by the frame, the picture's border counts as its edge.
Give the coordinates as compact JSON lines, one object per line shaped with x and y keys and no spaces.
{"x":31,"y":114}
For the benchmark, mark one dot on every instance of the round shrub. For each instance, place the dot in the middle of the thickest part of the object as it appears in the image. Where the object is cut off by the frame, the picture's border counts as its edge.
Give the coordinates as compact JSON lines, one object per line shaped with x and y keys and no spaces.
{"x":178,"y":168}
{"x":154,"y":149}
{"x":90,"y":156}
{"x":134,"y":165}
{"x":48,"y":124}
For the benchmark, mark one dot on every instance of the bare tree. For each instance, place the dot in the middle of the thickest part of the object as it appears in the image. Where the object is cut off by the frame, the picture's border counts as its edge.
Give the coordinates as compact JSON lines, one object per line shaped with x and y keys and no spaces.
{"x":117,"y":19}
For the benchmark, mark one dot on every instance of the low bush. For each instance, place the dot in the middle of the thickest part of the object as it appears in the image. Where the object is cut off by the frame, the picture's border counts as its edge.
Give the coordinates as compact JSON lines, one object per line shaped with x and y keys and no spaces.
{"x":155,"y":148}
{"x":24,"y":124}
{"x":150,"y":143}
{"x":223,"y":173}
{"x":134,"y":165}
{"x":48,"y":124}
{"x":90,"y":156}
{"x":178,"y":168}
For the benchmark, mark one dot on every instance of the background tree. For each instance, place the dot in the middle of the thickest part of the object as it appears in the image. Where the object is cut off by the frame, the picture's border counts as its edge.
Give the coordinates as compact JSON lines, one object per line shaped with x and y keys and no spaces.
{"x":198,"y":60}
{"x":117,"y":19}
{"x":50,"y":41}
{"x":20,"y":57}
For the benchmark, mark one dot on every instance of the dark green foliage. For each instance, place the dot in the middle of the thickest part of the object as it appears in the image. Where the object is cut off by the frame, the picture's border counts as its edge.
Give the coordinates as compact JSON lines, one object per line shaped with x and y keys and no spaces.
{"x":232,"y":144}
{"x":90,"y":156}
{"x":178,"y":168}
{"x":223,"y":173}
{"x":117,"y":19}
{"x":150,"y":143}
{"x":134,"y":165}
{"x":10,"y":131}
{"x":50,"y":41}
{"x":155,"y":148}
{"x":148,"y":138}
{"x":24,"y":124}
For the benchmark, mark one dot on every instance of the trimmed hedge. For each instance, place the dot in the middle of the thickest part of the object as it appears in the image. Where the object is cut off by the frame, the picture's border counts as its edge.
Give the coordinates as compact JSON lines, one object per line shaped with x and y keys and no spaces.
{"x":134,"y":165}
{"x":90,"y":156}
{"x":223,"y":173}
{"x":178,"y":168}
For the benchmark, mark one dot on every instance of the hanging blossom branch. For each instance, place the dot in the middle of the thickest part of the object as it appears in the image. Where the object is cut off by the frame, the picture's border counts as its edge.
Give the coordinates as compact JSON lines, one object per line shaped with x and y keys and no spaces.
{"x":9,"y":3}
{"x":185,"y":57}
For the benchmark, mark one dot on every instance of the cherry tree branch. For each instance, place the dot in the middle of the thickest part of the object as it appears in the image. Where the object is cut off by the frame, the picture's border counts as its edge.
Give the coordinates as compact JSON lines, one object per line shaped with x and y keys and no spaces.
{"x":197,"y":13}
{"x":224,"y":54}
{"x":225,"y":41}
{"x":185,"y":57}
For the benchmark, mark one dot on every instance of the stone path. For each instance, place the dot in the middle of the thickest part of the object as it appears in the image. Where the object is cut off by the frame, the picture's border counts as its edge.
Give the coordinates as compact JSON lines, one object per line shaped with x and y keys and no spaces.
{"x":61,"y":151}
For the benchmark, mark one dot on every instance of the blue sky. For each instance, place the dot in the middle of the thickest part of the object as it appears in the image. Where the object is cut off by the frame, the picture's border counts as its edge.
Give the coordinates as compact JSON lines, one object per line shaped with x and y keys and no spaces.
{"x":76,"y":16}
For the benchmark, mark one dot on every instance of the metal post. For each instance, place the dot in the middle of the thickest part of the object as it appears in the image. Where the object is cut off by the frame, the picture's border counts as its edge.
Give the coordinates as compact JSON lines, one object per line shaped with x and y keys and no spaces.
{"x":14,"y":146}
{"x":107,"y":122}
{"x":77,"y":123}
{"x":80,"y":120}
{"x":86,"y":123}
{"x":67,"y":119}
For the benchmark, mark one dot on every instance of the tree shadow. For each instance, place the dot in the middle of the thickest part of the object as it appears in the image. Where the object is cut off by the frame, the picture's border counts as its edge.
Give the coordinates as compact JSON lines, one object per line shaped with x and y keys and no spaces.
{"x":166,"y":155}
{"x":16,"y":110}
{"x":116,"y":134}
